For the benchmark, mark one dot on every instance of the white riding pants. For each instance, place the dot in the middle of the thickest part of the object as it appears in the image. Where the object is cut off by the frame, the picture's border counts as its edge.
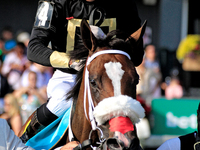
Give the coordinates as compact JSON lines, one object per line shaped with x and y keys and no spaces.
{"x":58,"y":87}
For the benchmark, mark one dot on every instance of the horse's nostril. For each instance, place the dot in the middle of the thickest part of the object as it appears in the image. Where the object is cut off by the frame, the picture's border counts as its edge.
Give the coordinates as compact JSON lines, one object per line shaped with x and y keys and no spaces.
{"x":114,"y":144}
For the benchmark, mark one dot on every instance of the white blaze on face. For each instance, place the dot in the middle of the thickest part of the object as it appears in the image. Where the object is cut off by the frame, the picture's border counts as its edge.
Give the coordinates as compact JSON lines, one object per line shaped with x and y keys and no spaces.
{"x":115,"y":73}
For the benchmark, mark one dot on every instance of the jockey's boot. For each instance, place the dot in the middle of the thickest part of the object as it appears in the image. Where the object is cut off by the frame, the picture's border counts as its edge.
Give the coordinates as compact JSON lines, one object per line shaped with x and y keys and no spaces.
{"x":42,"y":117}
{"x":34,"y":126}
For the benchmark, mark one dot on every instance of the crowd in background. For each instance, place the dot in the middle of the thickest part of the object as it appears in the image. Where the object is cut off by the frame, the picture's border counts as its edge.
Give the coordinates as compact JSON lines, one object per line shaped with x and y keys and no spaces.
{"x":151,"y":86}
{"x":151,"y":83}
{"x":22,"y":82}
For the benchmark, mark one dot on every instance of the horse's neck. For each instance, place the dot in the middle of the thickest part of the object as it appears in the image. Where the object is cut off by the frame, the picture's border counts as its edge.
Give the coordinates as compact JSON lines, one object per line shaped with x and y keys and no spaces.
{"x":80,"y":125}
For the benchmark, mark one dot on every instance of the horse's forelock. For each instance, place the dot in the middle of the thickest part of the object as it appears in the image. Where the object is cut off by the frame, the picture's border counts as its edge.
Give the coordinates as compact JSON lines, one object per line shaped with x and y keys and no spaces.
{"x":114,"y":40}
{"x":117,"y":40}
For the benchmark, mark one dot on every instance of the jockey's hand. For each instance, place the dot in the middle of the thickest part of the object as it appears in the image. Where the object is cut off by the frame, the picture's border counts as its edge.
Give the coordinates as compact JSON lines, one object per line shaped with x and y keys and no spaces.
{"x":70,"y":145}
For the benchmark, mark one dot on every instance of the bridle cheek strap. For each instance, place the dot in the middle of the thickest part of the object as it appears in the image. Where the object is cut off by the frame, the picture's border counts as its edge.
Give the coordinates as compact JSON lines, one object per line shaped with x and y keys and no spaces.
{"x":87,"y":85}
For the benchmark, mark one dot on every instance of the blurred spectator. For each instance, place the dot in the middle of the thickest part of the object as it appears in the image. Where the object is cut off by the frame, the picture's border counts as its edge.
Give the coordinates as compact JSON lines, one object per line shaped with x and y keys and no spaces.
{"x":4,"y":89}
{"x":4,"y":86}
{"x":152,"y":83}
{"x":7,"y":33}
{"x":1,"y":50}
{"x":14,"y":65}
{"x":174,"y":89}
{"x":147,"y":38}
{"x":152,"y":76}
{"x":150,"y":58}
{"x":43,"y":75}
{"x":12,"y":113}
{"x":9,"y":46}
{"x":23,"y":37}
{"x":149,"y":84}
{"x":8,"y":37}
{"x":172,"y":85}
{"x":30,"y":97}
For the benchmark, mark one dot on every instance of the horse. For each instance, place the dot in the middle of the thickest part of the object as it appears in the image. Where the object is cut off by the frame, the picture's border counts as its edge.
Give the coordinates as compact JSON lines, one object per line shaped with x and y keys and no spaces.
{"x":104,"y":110}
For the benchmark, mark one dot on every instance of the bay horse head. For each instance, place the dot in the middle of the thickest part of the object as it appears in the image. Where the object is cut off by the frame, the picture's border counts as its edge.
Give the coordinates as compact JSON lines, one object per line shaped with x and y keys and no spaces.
{"x":104,"y":108}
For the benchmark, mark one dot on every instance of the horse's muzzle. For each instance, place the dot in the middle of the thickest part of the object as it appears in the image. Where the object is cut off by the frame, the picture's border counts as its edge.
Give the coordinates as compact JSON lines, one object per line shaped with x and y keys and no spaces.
{"x":115,"y":144}
{"x":118,"y":142}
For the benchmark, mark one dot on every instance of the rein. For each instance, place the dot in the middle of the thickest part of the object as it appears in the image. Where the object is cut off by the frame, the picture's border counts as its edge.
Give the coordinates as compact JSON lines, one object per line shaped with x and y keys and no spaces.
{"x":87,"y":91}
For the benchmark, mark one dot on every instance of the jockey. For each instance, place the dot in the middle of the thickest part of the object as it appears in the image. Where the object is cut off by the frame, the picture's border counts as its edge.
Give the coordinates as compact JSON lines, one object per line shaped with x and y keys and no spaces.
{"x":58,"y":22}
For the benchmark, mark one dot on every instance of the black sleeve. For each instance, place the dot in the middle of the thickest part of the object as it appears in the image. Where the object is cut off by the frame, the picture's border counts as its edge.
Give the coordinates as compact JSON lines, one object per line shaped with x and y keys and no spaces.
{"x":38,"y":50}
{"x":128,"y":20}
{"x":126,"y":14}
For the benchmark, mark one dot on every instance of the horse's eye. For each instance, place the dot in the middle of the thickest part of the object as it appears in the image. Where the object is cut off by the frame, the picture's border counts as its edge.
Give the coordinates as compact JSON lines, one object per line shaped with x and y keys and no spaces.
{"x":93,"y":83}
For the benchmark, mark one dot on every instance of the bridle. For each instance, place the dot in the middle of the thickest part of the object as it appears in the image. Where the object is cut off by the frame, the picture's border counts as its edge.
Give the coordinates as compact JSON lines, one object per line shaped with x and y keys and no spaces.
{"x":87,"y":91}
{"x":87,"y":85}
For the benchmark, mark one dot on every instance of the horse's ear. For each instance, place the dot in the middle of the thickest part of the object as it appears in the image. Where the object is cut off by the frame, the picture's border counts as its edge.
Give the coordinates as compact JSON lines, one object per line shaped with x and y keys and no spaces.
{"x":137,"y":35}
{"x":138,"y":50}
{"x":89,"y":40}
